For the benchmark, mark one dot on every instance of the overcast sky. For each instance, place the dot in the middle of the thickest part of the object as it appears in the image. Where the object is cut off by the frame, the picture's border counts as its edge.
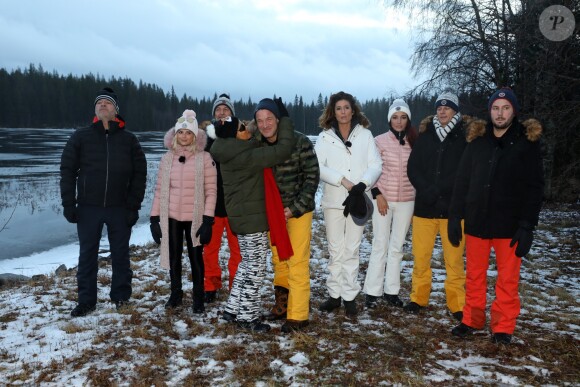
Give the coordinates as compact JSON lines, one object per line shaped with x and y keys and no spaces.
{"x":248,"y":48}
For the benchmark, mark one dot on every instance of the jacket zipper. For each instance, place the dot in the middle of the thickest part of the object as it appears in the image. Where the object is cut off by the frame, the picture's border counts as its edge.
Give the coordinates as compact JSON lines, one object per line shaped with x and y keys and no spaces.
{"x":107,"y":166}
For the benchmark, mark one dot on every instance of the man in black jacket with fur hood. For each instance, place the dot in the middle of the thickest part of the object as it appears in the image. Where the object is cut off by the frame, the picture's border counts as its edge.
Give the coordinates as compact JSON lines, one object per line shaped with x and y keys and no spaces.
{"x":498,"y":192}
{"x":103,"y":175}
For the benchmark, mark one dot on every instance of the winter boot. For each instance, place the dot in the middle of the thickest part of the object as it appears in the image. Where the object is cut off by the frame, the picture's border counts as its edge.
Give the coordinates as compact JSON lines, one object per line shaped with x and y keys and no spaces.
{"x":254,"y":326}
{"x":393,"y":299}
{"x":175,"y":299}
{"x":294,"y":326}
{"x":350,"y":308}
{"x":330,"y":304}
{"x":371,"y":301}
{"x":82,"y":310}
{"x":458,"y":316}
{"x":278,"y":311}
{"x":210,"y":296}
{"x":501,"y":338}
{"x":198,"y":306}
{"x":413,"y":307}
{"x":462,"y":330}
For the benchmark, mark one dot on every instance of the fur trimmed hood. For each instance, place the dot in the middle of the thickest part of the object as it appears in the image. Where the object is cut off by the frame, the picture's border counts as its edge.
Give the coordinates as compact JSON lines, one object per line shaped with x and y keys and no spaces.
{"x":200,"y":140}
{"x":466,"y":120}
{"x":532,"y":129}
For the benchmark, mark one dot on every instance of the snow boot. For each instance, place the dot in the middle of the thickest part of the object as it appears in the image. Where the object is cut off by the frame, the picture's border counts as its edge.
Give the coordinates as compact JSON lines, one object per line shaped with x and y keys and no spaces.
{"x":280,"y":308}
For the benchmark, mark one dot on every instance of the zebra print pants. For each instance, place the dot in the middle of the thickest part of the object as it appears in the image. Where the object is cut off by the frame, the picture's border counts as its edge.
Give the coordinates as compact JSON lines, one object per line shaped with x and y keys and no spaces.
{"x":244,"y":299}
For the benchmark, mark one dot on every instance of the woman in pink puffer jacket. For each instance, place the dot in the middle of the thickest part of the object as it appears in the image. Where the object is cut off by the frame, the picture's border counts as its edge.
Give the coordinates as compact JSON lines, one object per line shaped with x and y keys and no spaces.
{"x":394,"y":199}
{"x":184,"y":203}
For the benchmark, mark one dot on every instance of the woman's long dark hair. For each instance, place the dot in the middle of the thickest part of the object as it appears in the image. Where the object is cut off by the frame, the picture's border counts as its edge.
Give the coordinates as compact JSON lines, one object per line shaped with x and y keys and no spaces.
{"x":327,"y":118}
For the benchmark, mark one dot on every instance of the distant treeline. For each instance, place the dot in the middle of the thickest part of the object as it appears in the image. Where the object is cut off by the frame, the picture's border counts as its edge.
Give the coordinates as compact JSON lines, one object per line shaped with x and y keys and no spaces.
{"x":35,"y":98}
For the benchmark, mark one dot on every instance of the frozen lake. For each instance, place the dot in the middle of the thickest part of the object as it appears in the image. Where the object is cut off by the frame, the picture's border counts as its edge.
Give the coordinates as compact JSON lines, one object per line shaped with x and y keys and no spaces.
{"x":31,"y":220}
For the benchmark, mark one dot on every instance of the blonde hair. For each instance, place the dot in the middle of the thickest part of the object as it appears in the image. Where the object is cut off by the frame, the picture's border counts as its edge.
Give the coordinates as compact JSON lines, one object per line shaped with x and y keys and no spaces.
{"x":189,"y":148}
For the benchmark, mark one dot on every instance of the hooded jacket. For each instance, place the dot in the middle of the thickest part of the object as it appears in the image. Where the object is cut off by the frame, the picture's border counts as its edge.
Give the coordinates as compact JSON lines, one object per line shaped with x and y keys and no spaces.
{"x":103,"y":168}
{"x":500,"y":181}
{"x":432,"y":167}
{"x":191,"y":188}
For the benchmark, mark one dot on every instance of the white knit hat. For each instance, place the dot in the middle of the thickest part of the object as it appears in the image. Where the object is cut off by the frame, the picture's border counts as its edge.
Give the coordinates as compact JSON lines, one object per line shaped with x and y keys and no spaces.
{"x":187,"y":121}
{"x":398,"y":105}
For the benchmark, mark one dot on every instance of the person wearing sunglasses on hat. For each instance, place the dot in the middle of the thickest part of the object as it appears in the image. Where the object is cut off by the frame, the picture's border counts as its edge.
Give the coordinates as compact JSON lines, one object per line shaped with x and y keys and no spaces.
{"x":184,"y":204}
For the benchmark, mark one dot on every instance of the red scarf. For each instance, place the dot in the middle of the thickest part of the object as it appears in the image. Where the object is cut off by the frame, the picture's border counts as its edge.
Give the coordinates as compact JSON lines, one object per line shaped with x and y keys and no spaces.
{"x":276,"y":219}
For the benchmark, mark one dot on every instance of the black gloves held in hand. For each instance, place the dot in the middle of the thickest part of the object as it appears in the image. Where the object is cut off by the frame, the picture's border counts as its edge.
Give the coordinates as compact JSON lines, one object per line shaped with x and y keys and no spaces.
{"x":523,"y":237}
{"x":454,"y":231}
{"x":281,"y":108}
{"x":70,"y":213}
{"x":226,"y":129}
{"x":132,"y":217}
{"x":155,"y":229}
{"x":358,"y":189}
{"x":204,"y":231}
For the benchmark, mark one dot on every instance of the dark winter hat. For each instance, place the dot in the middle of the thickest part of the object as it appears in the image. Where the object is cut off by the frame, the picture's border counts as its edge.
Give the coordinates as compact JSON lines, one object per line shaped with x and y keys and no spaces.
{"x":223,"y":99}
{"x":504,"y":93}
{"x":268,"y":104}
{"x":448,"y":99}
{"x":108,"y":93}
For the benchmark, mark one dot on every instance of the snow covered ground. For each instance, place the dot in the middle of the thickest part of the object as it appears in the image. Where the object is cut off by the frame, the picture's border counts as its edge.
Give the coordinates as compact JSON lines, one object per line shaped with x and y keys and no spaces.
{"x":40,"y":344}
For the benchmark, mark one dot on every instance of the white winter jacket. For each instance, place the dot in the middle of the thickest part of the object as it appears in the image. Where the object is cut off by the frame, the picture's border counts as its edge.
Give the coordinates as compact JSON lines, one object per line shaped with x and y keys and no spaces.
{"x":360,"y":162}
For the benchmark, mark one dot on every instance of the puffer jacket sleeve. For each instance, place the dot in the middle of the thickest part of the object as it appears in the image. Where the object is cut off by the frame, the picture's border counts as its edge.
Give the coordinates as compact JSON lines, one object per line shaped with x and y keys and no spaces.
{"x":327,"y":174}
{"x":308,"y":166}
{"x":269,"y":156}
{"x":155,"y":206}
{"x":210,"y":185}
{"x":136,"y":190}
{"x":69,"y":169}
{"x":374,"y":163}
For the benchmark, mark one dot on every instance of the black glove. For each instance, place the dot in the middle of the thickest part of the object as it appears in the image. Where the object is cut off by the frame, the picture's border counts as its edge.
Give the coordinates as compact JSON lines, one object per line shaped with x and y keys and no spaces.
{"x":358,"y":205}
{"x":454,"y":232}
{"x":132,"y":217}
{"x":155,"y":229}
{"x":204,"y":231}
{"x":70,"y":213}
{"x":281,"y":107}
{"x":346,"y":204}
{"x":227,"y":129}
{"x":523,"y":237}
{"x":358,"y":189}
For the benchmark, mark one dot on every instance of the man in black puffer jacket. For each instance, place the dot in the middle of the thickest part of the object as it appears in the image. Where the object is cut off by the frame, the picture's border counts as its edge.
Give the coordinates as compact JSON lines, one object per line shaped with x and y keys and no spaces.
{"x":498,"y":192}
{"x":103,"y":175}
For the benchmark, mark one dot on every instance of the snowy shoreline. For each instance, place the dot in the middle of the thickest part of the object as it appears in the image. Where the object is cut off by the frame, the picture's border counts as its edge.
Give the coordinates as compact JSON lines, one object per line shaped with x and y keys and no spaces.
{"x":46,"y":262}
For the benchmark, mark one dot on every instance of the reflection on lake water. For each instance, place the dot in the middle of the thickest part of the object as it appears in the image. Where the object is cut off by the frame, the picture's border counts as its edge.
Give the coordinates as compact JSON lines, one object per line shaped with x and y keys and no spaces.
{"x":30,"y":211}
